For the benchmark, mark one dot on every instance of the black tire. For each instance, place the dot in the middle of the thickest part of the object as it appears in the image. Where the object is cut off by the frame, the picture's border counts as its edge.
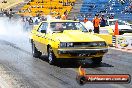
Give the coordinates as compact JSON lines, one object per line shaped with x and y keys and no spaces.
{"x":51,"y":56}
{"x":35,"y":51}
{"x":97,"y":60}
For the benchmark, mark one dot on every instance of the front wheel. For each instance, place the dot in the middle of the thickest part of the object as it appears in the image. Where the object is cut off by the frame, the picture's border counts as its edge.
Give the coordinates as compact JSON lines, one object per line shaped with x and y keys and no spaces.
{"x":51,"y":56}
{"x":35,"y":51}
{"x":96,"y":60}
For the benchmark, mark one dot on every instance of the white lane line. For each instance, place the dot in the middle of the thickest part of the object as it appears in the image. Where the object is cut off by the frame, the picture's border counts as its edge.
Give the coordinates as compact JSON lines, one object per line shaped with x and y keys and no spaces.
{"x":123,"y":50}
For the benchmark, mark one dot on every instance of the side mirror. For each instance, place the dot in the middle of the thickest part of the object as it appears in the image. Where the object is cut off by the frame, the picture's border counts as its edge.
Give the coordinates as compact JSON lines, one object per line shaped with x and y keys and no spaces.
{"x":43,"y":31}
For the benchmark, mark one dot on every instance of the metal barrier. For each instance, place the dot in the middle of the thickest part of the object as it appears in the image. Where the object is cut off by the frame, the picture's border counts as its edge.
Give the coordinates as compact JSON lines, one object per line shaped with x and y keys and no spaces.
{"x":124,"y":41}
{"x":113,"y":40}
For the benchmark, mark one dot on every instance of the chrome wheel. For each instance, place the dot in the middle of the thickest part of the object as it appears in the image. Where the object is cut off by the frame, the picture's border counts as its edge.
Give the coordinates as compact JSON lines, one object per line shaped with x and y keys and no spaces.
{"x":51,"y":56}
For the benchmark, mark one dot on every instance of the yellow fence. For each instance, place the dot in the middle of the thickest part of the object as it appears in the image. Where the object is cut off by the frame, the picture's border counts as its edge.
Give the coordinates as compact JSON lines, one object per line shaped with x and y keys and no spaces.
{"x":46,"y":7}
{"x":9,"y":3}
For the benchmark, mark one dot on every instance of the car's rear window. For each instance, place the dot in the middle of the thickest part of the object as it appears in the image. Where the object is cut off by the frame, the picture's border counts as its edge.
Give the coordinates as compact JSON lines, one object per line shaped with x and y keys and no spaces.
{"x":119,"y":22}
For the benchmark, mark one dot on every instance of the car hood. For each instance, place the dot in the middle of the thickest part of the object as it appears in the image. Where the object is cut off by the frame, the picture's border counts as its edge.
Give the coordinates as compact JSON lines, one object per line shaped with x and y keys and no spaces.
{"x":121,"y":27}
{"x":75,"y":36}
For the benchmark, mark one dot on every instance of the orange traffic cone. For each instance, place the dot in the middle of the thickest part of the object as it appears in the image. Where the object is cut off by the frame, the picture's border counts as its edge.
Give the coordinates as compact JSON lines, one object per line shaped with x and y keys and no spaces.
{"x":116,"y":32}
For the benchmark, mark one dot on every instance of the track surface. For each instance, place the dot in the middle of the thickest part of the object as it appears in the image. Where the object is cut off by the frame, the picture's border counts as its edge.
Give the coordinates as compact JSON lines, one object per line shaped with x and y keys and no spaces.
{"x":19,"y":69}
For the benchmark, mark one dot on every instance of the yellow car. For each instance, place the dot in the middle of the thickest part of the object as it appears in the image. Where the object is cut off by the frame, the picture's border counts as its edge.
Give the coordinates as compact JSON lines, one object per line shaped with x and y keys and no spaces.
{"x":106,"y":33}
{"x":65,"y":39}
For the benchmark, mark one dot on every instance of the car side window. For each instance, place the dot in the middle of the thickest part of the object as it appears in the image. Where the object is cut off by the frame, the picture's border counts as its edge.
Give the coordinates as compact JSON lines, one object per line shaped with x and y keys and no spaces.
{"x":43,"y":27}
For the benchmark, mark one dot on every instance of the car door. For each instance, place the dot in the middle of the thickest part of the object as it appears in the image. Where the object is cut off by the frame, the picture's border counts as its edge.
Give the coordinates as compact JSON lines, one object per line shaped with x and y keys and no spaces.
{"x":42,"y":45}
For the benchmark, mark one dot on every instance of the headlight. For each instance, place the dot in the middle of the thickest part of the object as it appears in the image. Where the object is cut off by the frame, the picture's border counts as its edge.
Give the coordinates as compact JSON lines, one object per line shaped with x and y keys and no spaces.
{"x":102,"y":44}
{"x":92,"y":44}
{"x":63,"y":44}
{"x":69,"y":44}
{"x":97,"y":44}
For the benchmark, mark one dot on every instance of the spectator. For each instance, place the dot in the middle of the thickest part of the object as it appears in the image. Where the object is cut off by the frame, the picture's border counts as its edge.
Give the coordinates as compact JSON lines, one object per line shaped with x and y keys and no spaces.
{"x":64,"y":16}
{"x":85,"y":20}
{"x":103,"y":21}
{"x":23,"y":19}
{"x":111,"y":17}
{"x":2,"y":12}
{"x":30,"y":23}
{"x":58,"y":17}
{"x":36,"y":21}
{"x":5,"y":12}
{"x":96,"y":22}
{"x":43,"y":18}
{"x":26,"y":24}
{"x":10,"y":14}
{"x":75,"y":18}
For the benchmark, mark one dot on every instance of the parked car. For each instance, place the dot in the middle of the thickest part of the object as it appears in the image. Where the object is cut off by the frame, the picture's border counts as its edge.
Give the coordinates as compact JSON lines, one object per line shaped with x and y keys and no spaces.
{"x":66,"y":39}
{"x":123,"y":26}
{"x":104,"y":32}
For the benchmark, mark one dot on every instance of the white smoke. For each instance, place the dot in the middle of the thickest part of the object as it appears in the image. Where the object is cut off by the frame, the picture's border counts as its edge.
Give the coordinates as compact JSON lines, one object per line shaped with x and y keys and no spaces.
{"x":13,"y":27}
{"x":14,"y":32}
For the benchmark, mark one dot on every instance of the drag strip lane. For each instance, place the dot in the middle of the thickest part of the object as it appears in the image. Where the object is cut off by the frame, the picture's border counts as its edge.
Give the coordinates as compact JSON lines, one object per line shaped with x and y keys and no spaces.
{"x":4,"y":42}
{"x":32,"y":72}
{"x":23,"y":64}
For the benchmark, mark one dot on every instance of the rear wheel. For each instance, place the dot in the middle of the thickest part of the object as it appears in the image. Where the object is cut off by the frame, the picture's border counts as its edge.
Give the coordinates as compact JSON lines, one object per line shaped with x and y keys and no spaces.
{"x":35,"y":51}
{"x":96,"y":60}
{"x":51,"y":56}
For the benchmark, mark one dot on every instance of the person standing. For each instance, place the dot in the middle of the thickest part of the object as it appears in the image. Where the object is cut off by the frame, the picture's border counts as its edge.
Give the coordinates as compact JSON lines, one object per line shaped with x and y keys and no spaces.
{"x":10,"y":14}
{"x":26,"y":24}
{"x":74,"y":18}
{"x":64,"y":16}
{"x":96,"y":23}
{"x":111,"y":17}
{"x":102,"y":21}
{"x":30,"y":23}
{"x":85,"y":20}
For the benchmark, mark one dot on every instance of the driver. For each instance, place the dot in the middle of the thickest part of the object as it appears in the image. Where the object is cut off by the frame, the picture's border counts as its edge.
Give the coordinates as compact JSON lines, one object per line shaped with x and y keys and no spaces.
{"x":59,"y":27}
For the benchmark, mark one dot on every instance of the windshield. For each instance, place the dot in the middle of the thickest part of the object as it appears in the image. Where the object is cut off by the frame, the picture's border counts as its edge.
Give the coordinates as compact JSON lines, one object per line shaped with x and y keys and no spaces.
{"x":119,"y":22}
{"x":61,"y":26}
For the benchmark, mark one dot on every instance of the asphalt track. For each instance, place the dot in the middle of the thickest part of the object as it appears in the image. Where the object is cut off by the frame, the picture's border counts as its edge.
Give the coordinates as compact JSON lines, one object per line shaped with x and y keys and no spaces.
{"x":18,"y":69}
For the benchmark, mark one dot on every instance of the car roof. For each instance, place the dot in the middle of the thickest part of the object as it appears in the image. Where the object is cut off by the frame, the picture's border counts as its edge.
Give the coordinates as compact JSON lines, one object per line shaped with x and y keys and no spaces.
{"x":60,"y":21}
{"x":112,"y":19}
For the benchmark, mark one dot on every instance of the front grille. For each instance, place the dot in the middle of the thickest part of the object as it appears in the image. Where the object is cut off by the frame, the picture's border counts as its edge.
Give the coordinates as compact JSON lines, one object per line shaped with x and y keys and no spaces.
{"x":89,"y":44}
{"x":89,"y":54}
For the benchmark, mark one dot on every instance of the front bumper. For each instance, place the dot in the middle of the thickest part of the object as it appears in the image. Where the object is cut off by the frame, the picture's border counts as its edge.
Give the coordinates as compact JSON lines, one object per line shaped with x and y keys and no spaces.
{"x":122,"y":31}
{"x":82,"y":51}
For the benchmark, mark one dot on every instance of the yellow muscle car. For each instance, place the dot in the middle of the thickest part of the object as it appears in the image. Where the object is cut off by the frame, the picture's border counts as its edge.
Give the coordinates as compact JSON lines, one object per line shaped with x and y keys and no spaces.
{"x":65,"y":39}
